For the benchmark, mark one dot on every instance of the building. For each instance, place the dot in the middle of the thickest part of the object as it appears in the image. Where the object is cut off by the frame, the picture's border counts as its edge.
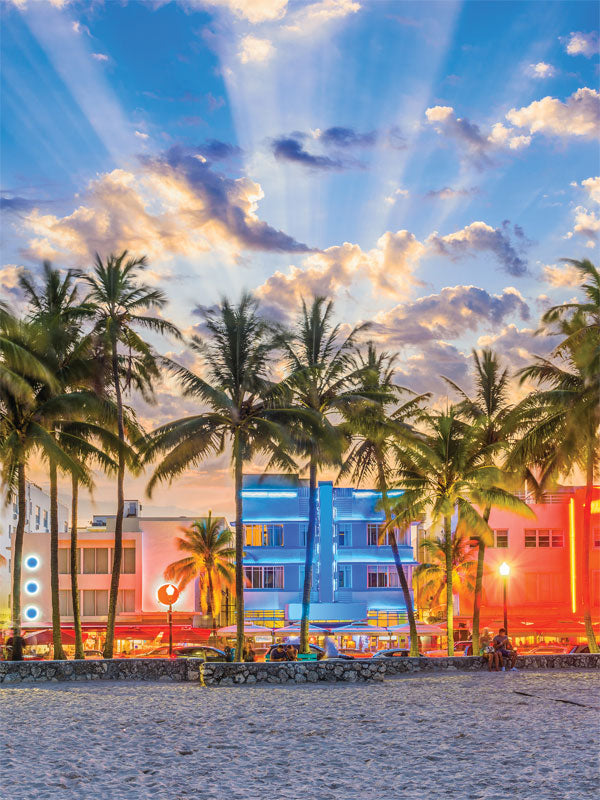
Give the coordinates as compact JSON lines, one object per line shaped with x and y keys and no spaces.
{"x":545,"y":558}
{"x":37,"y":509}
{"x":149,"y":546}
{"x":354,"y":577}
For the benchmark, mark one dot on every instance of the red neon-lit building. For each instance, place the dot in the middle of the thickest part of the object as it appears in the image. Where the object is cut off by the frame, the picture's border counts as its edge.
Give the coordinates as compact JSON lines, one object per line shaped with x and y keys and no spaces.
{"x":546,"y":560}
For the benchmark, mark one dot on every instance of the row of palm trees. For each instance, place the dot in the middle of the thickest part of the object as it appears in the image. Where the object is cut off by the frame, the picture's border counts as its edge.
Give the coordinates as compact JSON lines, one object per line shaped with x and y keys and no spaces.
{"x":66,"y":367}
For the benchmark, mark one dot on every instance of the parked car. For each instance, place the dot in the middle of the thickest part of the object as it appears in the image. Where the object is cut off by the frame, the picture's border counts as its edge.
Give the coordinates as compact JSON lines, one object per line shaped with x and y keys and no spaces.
{"x":558,"y":649}
{"x":395,"y":652}
{"x":314,"y":648}
{"x":193,"y":651}
{"x":92,"y":654}
{"x":462,"y":648}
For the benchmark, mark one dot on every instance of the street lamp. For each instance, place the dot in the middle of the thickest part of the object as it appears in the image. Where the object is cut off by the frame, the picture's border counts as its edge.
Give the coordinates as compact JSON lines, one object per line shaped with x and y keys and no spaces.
{"x":167,"y":595}
{"x":505,"y":571}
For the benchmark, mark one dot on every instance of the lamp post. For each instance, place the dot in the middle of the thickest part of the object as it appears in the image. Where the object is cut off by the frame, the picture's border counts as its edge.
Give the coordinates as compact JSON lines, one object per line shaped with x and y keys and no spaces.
{"x":505,"y":571}
{"x":167,"y":595}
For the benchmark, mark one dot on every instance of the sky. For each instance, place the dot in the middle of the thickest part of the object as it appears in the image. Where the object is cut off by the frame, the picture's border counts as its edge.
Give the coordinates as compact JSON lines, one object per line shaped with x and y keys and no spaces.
{"x":425,"y":164}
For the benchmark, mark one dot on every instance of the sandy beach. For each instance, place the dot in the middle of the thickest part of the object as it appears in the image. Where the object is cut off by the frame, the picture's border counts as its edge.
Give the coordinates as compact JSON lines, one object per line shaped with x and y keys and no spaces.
{"x":465,"y":736}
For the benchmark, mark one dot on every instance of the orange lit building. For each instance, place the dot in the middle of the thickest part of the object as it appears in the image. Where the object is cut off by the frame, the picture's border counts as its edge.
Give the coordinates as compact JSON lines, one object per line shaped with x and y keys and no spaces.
{"x":546,"y":557}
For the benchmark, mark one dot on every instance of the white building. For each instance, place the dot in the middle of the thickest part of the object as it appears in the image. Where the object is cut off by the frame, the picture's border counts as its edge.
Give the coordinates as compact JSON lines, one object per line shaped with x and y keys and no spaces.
{"x":37,"y":508}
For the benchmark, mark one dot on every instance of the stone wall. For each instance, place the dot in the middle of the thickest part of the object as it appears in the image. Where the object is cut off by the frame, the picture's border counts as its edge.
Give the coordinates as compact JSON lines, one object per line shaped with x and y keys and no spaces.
{"x":215,"y":674}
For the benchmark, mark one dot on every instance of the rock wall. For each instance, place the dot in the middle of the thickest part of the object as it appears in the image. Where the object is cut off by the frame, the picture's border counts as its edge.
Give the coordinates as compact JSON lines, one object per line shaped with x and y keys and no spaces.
{"x":215,"y":674}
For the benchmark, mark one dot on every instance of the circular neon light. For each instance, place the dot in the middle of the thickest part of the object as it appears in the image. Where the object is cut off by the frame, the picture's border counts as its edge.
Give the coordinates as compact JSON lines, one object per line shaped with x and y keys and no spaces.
{"x":32,"y":587}
{"x":32,"y":562}
{"x":31,"y":612}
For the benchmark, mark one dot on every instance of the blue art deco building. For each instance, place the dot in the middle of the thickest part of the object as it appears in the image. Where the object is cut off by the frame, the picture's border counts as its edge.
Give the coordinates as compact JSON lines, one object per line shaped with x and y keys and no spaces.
{"x":354,"y":577}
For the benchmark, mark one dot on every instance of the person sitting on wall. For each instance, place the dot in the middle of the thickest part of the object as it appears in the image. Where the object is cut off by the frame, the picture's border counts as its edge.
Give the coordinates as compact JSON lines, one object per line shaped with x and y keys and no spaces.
{"x":278,"y":654}
{"x":504,"y":649}
{"x":488,"y":651}
{"x":291,"y":653}
{"x":249,"y":654}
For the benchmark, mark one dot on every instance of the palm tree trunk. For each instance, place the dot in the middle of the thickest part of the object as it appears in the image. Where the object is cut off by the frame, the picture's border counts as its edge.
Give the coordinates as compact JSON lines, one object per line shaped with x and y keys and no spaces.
{"x":74,"y":566}
{"x":59,"y":653}
{"x":479,"y":586}
{"x":414,"y":640}
{"x":211,"y":601}
{"x":239,"y":550}
{"x":449,"y":594}
{"x":586,"y":544}
{"x":17,"y":652}
{"x":118,"y":543}
{"x":308,"y":563}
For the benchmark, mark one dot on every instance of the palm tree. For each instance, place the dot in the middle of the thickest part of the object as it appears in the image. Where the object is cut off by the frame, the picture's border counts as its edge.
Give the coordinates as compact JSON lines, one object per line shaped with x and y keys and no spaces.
{"x":30,"y":408}
{"x":244,"y":410}
{"x":210,"y":558}
{"x":55,"y":307}
{"x":121,"y":304}
{"x":372,"y":431}
{"x":445,"y":471}
{"x":495,"y":425}
{"x":431,"y":573}
{"x":565,"y":415}
{"x":322,"y":380}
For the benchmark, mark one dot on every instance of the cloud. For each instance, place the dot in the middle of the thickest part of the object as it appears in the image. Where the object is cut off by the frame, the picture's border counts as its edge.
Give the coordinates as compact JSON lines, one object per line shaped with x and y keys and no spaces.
{"x":579,"y":115}
{"x":448,"y":314}
{"x":289,"y":148}
{"x":518,"y":346}
{"x":310,"y":18}
{"x":100,"y":56}
{"x":389,"y":266}
{"x":391,"y":198}
{"x":9,"y":282}
{"x":447,"y":193}
{"x":141,"y":135}
{"x":587,"y":223}
{"x":254,"y":49}
{"x":469,"y":136}
{"x":561,"y":275}
{"x":174,"y":204}
{"x":480,"y":237}
{"x":346,"y":137}
{"x":592,"y":187}
{"x":16,"y":204}
{"x":542,"y":70}
{"x":504,"y":137}
{"x":584,"y":44}
{"x":215,"y":150}
{"x":254,"y":11}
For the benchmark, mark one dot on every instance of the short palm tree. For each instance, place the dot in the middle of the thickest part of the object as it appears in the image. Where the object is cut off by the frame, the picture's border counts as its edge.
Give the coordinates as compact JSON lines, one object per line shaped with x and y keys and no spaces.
{"x":564,"y":415}
{"x":244,"y":411}
{"x":431,"y":573}
{"x":121,"y":304}
{"x":210,"y":559}
{"x":490,"y":411}
{"x":372,"y":429}
{"x":447,"y":471}
{"x":323,"y":381}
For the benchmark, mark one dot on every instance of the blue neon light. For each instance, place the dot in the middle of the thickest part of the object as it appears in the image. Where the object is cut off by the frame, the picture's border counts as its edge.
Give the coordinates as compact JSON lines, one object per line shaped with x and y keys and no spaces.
{"x":32,"y":562}
{"x":31,"y":612}
{"x":261,"y":493}
{"x":32,"y":587}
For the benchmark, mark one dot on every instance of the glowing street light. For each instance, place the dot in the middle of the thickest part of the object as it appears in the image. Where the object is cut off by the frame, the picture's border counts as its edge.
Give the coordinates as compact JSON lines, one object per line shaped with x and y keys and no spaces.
{"x":505,"y":571}
{"x":167,"y":595}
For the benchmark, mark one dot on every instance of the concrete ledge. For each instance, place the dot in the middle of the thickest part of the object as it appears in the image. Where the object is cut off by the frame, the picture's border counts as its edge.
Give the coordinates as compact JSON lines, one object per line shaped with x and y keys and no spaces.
{"x":193,"y":670}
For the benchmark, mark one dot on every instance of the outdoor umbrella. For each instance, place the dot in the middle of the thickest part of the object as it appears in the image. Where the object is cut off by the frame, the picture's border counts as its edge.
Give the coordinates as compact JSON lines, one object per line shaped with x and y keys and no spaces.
{"x":423,"y":629}
{"x":45,"y":637}
{"x":360,"y":628}
{"x":295,"y":628}
{"x":249,"y":630}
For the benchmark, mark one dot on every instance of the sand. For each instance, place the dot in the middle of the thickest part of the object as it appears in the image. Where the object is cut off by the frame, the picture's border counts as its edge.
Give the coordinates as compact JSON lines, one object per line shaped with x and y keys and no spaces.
{"x":466,"y":736}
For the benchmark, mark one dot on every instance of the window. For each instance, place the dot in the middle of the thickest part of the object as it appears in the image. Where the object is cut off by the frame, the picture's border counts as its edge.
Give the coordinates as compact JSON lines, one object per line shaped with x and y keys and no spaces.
{"x":64,"y":561}
{"x":37,"y":516}
{"x":45,"y":519}
{"x":344,"y":534}
{"x":95,"y":561}
{"x":269,"y":535}
{"x":544,"y":538}
{"x":65,"y":602}
{"x":500,"y":538}
{"x":373,"y":537}
{"x":95,"y":602}
{"x":126,"y":601}
{"x":382,"y":577}
{"x":303,"y":533}
{"x":264,"y":577}
{"x":596,"y":537}
{"x":345,"y":577}
{"x":128,"y":561}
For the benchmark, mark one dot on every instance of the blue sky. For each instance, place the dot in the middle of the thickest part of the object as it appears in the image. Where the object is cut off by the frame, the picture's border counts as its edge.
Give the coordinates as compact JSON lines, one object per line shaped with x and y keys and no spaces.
{"x":426,"y":164}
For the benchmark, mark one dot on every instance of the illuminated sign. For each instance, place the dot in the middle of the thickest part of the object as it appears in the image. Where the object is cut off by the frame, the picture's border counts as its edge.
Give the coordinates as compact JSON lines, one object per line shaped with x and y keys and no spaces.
{"x":255,"y":493}
{"x":595,"y":506}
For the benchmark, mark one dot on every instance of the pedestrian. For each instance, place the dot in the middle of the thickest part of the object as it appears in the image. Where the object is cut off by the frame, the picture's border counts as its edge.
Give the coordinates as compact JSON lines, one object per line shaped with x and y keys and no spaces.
{"x":14,"y":648}
{"x":229,"y":653}
{"x":291,"y":653}
{"x":504,"y":649}
{"x":249,"y":654}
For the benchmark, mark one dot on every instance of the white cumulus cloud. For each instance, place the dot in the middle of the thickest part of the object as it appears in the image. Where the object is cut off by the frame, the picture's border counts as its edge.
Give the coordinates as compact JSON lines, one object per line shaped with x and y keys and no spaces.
{"x":583,"y":44}
{"x":542,"y":70}
{"x":579,"y":115}
{"x":252,"y":48}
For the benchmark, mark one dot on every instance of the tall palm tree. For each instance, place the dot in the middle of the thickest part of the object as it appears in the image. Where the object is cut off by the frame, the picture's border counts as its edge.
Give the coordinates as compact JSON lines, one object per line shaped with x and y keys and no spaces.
{"x":495,"y":423}
{"x":432,"y":573}
{"x":30,"y":408}
{"x":372,"y":430}
{"x":322,"y":380}
{"x":565,"y":414}
{"x":56,"y":308}
{"x":121,"y":304}
{"x":209,"y":558}
{"x":447,"y":471}
{"x":244,"y":411}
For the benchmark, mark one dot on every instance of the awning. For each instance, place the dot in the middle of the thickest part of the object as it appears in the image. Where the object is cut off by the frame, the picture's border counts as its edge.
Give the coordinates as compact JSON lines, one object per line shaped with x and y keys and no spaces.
{"x":249,"y":630}
{"x":360,"y":628}
{"x":423,"y":629}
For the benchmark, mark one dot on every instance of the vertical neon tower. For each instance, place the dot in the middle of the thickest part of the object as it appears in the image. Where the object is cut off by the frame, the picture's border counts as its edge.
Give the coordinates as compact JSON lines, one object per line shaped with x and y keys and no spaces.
{"x":572,"y":553}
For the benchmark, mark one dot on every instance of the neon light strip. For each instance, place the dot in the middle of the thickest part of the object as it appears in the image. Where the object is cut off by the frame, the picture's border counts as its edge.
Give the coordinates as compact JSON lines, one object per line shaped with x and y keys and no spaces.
{"x":572,"y":553}
{"x":258,"y":493}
